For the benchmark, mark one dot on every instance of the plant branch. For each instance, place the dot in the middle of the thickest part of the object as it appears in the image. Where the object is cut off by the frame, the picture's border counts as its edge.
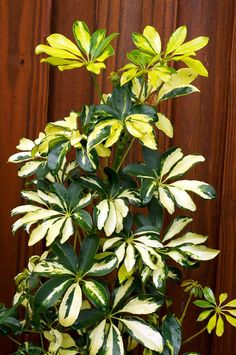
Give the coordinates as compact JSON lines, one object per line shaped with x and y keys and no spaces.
{"x":141,"y":90}
{"x":14,"y":340}
{"x":194,"y":335}
{"x":125,"y":154}
{"x":97,"y":87}
{"x":185,"y":308}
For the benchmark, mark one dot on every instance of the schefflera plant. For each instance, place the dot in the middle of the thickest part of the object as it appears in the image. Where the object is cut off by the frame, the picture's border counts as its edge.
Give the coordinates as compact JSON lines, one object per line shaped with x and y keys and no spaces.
{"x":100,"y":217}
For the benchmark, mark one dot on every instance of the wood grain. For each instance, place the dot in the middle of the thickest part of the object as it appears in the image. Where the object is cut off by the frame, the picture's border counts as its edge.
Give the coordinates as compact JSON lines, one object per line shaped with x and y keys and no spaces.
{"x":32,"y":94}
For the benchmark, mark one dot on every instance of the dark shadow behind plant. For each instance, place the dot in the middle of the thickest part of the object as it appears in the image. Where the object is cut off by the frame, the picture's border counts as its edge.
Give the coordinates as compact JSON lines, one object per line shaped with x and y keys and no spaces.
{"x":82,"y":203}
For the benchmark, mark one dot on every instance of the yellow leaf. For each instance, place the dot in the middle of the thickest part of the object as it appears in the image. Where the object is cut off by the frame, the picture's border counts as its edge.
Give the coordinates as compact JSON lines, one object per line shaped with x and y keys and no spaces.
{"x":153,"y":37}
{"x":211,"y":324}
{"x":220,"y":326}
{"x":176,"y":39}
{"x":196,"y":66}
{"x":59,"y":41}
{"x":164,"y":125}
{"x":82,"y":36}
{"x":192,"y":46}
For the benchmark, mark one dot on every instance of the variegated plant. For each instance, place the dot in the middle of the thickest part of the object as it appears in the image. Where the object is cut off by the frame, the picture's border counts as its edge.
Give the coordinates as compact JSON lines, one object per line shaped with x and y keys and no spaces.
{"x":100,"y":287}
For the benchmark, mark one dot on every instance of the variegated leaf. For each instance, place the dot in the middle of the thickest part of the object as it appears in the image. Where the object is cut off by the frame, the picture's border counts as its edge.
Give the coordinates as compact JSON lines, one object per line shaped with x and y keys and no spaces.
{"x":96,"y":338}
{"x":123,"y":291}
{"x":144,"y":334}
{"x":70,"y":306}
{"x":184,"y":165}
{"x":141,"y":304}
{"x":176,"y":227}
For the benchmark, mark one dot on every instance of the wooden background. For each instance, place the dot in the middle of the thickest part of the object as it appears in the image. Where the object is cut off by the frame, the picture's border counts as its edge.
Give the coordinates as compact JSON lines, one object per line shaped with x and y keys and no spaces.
{"x":32,"y":94}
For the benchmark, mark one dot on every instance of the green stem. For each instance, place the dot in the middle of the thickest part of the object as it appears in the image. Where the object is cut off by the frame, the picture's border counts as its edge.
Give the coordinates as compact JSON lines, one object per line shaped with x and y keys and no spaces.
{"x":194,"y":335}
{"x":97,"y":87}
{"x":141,"y":90}
{"x":41,"y":340}
{"x":15,"y":341}
{"x":185,"y":308}
{"x":125,"y":154}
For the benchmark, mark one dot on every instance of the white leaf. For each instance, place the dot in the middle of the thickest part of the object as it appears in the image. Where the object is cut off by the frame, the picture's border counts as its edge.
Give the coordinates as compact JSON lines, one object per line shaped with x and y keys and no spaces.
{"x":149,"y":241}
{"x":70,"y":305}
{"x":68,"y":230}
{"x":146,"y":257}
{"x":32,"y":196}
{"x":190,"y":238}
{"x":110,"y":242}
{"x":129,"y":258}
{"x":200,"y":252}
{"x":110,"y":224}
{"x":54,"y":231}
{"x":24,"y":209}
{"x":120,"y":252}
{"x":123,"y":290}
{"x":138,"y":305}
{"x":176,"y":227}
{"x":96,"y":338}
{"x":29,"y":168}
{"x":164,"y":125}
{"x":144,"y":334}
{"x":170,"y":161}
{"x":182,"y":198}
{"x":166,"y":200}
{"x":50,"y":198}
{"x":184,"y":165}
{"x":103,"y":209}
{"x":40,"y":232}
{"x":199,"y":187}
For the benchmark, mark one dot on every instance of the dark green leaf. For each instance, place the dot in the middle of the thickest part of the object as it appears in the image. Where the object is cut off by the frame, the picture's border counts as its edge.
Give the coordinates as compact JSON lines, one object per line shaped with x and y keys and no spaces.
{"x":151,"y":158}
{"x":56,"y":156}
{"x":66,"y":255}
{"x":50,"y":292}
{"x":121,"y":100}
{"x":88,"y":317}
{"x":143,"y":109}
{"x":171,"y":332}
{"x":88,"y":161}
{"x":139,"y":170}
{"x":179,"y":91}
{"x":88,"y":251}
{"x":83,"y":218}
{"x":155,"y":213}
{"x":148,"y":188}
{"x":96,"y":39}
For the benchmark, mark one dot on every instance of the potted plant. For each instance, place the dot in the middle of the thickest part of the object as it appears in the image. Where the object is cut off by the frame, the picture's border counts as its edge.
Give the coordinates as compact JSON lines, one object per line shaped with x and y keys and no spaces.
{"x":100,"y":287}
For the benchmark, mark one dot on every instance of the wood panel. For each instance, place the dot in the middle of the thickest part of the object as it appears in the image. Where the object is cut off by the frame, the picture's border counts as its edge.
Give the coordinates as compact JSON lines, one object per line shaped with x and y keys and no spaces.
{"x":204,"y":123}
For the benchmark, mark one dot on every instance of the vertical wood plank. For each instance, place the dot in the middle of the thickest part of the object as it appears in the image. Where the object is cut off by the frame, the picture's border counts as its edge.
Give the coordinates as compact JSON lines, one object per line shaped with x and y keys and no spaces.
{"x":23,"y":112}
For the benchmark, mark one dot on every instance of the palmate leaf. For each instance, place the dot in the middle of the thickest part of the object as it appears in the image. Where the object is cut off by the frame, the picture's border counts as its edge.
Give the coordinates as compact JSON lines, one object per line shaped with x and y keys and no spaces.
{"x":66,"y":255}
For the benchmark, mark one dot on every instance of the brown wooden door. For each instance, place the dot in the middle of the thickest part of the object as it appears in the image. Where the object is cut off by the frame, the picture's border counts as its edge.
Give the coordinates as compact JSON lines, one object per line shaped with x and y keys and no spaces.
{"x":32,"y":94}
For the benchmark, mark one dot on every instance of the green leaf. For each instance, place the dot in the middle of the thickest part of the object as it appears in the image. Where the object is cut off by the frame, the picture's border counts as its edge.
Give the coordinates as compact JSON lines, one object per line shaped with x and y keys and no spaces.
{"x":56,"y":156}
{"x":219,"y":326}
{"x":96,"y":39}
{"x":144,"y":334}
{"x":83,"y":218}
{"x":121,"y":101}
{"x":50,"y":292}
{"x":195,"y":65}
{"x":142,"y":43}
{"x":139,"y":170}
{"x":98,"y":136}
{"x":153,"y":37}
{"x":51,"y":268}
{"x":193,"y":45}
{"x":171,"y":332}
{"x":96,"y":293}
{"x":104,"y":44}
{"x":66,"y":255}
{"x":70,"y":306}
{"x":176,"y":39}
{"x":204,"y":315}
{"x":147,"y":190}
{"x":209,"y":295}
{"x":82,"y":36}
{"x":231,"y":320}
{"x":88,"y":317}
{"x":88,"y":251}
{"x":88,"y":161}
{"x":152,"y":159}
{"x":203,"y":304}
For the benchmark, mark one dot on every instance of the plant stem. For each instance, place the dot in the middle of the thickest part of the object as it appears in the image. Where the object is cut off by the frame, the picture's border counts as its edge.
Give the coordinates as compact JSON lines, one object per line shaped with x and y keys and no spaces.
{"x":15,"y":341}
{"x":141,"y":90}
{"x":97,"y":87}
{"x":194,"y":335}
{"x":185,"y":308}
{"x":125,"y":154}
{"x":41,"y":340}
